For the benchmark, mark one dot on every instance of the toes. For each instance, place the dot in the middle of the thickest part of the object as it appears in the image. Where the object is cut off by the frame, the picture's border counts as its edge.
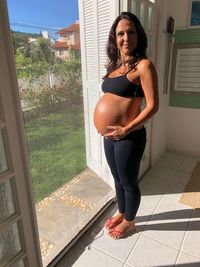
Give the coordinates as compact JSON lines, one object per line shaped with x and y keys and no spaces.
{"x":114,"y":235}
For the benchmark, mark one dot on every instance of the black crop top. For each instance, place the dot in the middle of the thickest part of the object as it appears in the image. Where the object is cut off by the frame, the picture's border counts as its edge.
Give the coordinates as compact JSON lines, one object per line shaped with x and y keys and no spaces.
{"x":121,"y":86}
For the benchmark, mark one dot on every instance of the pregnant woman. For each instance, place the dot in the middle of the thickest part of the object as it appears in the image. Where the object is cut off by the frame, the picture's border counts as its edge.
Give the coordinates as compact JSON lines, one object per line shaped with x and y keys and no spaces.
{"x":118,"y":117}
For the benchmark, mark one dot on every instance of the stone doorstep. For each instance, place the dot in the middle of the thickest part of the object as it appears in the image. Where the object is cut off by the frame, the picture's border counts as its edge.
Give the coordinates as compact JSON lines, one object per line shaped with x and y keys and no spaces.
{"x":75,"y":198}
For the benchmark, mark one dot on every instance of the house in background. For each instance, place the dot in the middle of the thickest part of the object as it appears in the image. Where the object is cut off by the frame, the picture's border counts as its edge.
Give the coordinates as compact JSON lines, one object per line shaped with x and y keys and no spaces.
{"x":67,"y":46}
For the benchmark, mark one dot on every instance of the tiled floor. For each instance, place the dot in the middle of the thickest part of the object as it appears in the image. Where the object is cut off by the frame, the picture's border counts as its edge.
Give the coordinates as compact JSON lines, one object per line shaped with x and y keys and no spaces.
{"x":168,"y":233}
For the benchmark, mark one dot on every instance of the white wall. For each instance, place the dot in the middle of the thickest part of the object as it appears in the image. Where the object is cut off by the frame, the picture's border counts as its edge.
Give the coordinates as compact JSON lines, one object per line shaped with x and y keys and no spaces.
{"x":176,"y":129}
{"x":179,"y":10}
{"x":159,"y":125}
{"x":184,"y":130}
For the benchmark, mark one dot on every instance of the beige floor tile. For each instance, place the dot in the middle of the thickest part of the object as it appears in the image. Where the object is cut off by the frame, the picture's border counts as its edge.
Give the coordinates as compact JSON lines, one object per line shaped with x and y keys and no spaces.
{"x":188,"y":164}
{"x":171,"y":160}
{"x":187,"y":260}
{"x":181,"y":177}
{"x":154,"y":184}
{"x":149,"y":201}
{"x":167,"y":231}
{"x":172,"y":209}
{"x":90,"y":258}
{"x":161,"y":238}
{"x":162,"y":172}
{"x":174,"y":190}
{"x":192,"y":239}
{"x":195,"y":215}
{"x":113,"y":247}
{"x":142,"y":218}
{"x":149,"y":252}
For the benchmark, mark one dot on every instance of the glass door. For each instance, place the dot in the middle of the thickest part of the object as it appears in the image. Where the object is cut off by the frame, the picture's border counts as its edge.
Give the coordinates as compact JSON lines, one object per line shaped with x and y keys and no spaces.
{"x":145,"y":11}
{"x":67,"y":192}
{"x":18,"y":243}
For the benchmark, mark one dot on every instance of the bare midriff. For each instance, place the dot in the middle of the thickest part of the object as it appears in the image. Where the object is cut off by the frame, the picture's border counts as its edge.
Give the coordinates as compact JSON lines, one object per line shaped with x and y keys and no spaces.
{"x":114,"y":110}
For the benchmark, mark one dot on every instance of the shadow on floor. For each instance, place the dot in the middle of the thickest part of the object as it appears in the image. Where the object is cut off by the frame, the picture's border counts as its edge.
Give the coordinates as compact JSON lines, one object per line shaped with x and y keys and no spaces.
{"x":84,"y":243}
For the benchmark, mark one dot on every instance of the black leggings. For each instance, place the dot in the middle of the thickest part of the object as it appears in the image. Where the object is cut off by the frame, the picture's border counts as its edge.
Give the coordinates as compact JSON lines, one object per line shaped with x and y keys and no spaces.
{"x":124,"y":157}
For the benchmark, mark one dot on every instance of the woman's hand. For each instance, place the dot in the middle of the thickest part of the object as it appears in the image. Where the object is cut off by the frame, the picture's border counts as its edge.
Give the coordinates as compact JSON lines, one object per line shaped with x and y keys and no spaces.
{"x":117,"y":133}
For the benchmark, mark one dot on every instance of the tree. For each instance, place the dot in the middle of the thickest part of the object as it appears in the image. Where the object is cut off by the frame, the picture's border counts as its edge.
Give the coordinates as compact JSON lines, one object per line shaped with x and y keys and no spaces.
{"x":20,"y":39}
{"x":38,"y":51}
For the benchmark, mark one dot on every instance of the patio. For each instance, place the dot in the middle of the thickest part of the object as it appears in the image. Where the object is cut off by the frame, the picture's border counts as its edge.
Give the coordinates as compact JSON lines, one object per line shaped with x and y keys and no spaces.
{"x":168,"y":232}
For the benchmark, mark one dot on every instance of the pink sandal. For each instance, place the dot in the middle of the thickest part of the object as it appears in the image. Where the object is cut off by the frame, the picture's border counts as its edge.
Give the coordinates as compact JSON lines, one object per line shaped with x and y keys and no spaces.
{"x":121,"y":234}
{"x":109,"y":225}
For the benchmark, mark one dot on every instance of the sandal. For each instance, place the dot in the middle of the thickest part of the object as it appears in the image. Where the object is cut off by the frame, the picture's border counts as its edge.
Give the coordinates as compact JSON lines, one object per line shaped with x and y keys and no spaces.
{"x":120,"y":234}
{"x":109,"y":225}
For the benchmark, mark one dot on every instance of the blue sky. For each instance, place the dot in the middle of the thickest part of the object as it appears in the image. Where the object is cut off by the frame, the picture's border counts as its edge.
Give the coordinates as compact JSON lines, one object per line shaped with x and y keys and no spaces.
{"x":43,"y":14}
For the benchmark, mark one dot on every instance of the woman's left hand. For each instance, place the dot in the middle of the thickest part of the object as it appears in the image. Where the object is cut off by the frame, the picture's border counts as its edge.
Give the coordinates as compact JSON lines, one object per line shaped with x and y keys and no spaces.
{"x":117,"y":133}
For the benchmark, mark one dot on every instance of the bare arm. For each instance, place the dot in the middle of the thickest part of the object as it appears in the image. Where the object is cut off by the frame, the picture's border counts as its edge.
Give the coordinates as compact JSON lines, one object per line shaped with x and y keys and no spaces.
{"x":149,"y":82}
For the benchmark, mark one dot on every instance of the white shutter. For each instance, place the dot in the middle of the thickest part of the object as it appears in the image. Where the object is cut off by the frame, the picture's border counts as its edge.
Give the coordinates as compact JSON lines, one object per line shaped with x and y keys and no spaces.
{"x":96,"y":17}
{"x":187,"y":71}
{"x":103,"y":25}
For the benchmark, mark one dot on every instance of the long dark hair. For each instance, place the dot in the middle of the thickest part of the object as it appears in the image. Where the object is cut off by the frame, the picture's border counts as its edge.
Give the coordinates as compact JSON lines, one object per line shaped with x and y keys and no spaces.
{"x":112,"y":50}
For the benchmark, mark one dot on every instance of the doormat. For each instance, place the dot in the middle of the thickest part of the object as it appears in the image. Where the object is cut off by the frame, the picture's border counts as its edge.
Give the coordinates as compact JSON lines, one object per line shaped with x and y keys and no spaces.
{"x":191,"y":194}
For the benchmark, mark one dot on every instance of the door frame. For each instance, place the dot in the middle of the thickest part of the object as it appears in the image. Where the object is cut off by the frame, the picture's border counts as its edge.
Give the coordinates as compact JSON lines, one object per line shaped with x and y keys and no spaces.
{"x":125,"y":5}
{"x":17,"y":148}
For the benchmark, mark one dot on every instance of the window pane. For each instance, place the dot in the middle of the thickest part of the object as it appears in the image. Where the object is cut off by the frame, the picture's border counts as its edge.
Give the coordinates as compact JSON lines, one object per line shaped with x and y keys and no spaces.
{"x":10,"y":244}
{"x":50,"y":88}
{"x":149,"y":48}
{"x":142,"y":14}
{"x":134,"y":7}
{"x":7,"y":207}
{"x":150,"y":18}
{"x":1,"y":112}
{"x":20,"y":264}
{"x":3,"y":161}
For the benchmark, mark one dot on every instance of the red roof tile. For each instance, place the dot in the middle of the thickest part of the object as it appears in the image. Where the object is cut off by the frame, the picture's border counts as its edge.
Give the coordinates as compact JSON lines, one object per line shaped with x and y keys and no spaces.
{"x":72,"y":28}
{"x":60,"y":45}
{"x":76,"y":46}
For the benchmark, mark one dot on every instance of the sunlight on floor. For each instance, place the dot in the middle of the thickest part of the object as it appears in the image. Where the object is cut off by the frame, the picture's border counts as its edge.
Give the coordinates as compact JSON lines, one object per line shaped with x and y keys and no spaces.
{"x":167,"y":231}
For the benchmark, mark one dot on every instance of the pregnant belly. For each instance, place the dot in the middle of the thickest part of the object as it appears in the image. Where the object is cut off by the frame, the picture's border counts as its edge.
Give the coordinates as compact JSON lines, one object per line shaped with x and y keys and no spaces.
{"x":109,"y":111}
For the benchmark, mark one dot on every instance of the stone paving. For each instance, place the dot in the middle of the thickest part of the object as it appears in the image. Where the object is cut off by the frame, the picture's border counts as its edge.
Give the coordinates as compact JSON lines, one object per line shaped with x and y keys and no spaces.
{"x":66,"y":211}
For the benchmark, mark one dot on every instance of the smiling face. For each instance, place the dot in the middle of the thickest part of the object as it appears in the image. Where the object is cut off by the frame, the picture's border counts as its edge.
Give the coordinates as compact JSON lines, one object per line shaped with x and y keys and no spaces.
{"x":126,"y":37}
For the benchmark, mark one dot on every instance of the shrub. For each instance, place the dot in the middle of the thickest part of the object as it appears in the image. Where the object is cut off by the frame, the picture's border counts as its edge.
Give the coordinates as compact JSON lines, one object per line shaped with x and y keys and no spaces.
{"x":40,"y":95}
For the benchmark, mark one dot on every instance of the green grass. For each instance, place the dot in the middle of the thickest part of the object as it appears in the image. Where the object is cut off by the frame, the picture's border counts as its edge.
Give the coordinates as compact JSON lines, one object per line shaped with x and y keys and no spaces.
{"x":56,"y":149}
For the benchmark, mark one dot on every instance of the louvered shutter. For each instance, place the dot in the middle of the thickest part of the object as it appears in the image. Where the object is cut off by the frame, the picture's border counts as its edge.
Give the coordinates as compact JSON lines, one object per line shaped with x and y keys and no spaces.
{"x":186,"y":68}
{"x":96,"y":17}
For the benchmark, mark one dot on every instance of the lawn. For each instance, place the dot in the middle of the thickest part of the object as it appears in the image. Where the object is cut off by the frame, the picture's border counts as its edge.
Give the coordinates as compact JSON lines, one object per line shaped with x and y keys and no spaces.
{"x":56,"y":149}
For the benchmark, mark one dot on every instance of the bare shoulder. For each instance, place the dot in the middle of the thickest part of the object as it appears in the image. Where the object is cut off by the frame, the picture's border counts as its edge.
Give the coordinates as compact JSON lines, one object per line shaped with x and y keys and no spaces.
{"x":147,"y":69}
{"x":145,"y":64}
